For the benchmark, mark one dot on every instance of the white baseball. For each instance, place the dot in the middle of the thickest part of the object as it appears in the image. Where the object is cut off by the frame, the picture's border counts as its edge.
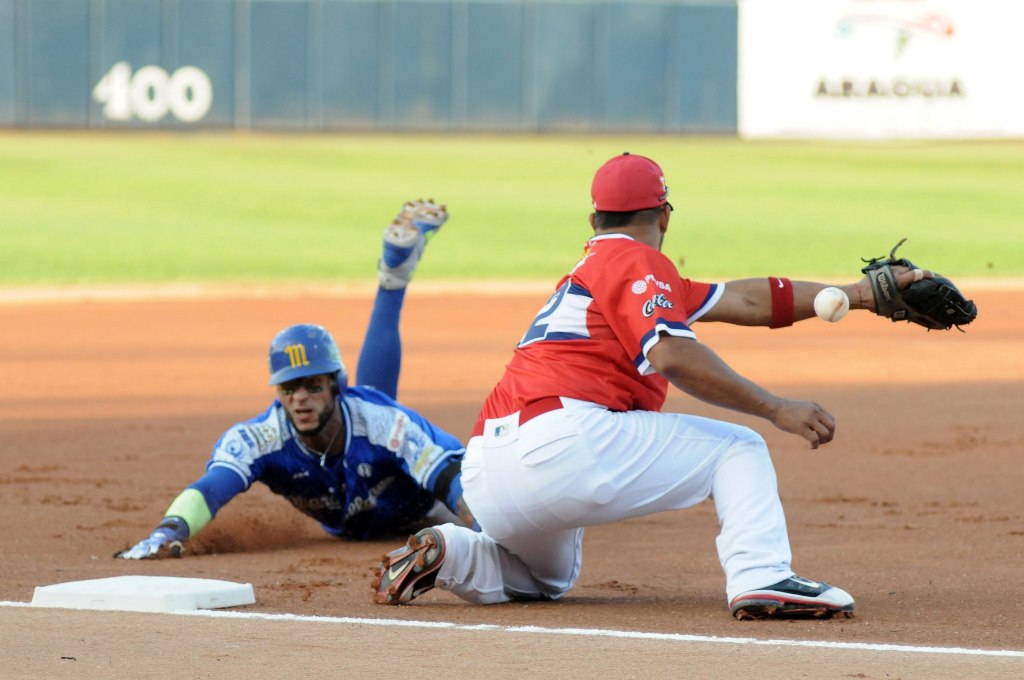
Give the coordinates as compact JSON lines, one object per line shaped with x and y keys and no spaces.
{"x":831,"y":304}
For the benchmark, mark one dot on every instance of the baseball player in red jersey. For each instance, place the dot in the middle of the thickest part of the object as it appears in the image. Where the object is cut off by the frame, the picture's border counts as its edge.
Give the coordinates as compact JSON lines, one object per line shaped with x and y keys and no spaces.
{"x":573,"y":434}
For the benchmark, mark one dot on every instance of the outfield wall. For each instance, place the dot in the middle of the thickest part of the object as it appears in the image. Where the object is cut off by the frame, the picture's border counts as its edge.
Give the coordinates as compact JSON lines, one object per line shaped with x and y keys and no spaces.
{"x":757,"y":68}
{"x":498,"y":65}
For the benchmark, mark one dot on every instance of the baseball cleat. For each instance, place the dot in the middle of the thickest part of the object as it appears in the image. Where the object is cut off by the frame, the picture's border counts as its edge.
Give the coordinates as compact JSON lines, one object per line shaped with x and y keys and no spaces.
{"x":405,"y":573}
{"x":793,"y":598}
{"x":406,"y":238}
{"x":427,"y":215}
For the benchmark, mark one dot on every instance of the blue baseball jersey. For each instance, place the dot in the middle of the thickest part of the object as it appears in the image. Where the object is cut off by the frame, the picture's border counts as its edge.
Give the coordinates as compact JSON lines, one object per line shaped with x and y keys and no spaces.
{"x":394,"y":465}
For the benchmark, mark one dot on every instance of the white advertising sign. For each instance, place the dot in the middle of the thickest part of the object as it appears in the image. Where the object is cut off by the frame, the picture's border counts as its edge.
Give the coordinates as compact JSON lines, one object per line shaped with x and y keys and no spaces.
{"x":881,"y":69}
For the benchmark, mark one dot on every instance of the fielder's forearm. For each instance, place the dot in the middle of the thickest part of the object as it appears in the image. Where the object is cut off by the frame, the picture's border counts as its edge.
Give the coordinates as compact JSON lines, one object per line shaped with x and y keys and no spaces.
{"x":749,"y":302}
{"x":696,"y":369}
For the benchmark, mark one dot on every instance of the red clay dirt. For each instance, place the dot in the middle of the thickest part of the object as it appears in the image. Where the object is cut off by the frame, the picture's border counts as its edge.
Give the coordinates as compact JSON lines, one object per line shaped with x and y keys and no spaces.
{"x":110,"y":407}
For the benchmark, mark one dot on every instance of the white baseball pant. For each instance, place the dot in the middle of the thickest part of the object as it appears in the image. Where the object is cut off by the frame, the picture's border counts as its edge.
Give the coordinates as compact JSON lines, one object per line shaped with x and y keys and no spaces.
{"x":532,"y":487}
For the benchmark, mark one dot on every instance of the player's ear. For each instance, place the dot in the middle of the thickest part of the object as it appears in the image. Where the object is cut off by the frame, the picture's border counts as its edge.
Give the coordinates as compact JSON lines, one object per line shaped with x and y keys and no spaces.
{"x":665,"y":216}
{"x":593,"y":221}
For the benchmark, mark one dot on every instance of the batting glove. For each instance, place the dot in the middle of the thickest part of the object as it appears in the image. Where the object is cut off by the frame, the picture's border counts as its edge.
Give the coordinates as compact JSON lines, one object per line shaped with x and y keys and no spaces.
{"x":160,"y":541}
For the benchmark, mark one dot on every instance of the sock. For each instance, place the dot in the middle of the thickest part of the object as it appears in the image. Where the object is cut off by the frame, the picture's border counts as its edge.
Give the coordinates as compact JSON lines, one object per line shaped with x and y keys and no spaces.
{"x":380,"y":360}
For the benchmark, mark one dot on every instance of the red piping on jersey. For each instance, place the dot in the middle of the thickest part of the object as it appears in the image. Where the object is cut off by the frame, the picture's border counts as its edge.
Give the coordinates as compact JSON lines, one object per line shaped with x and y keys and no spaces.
{"x":527,"y":413}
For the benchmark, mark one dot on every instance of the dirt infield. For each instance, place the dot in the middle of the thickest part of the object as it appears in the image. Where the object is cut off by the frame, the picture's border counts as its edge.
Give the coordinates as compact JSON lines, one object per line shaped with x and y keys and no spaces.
{"x":110,"y":407}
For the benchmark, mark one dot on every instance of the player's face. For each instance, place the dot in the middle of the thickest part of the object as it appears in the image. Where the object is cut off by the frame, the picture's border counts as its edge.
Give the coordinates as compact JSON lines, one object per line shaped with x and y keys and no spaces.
{"x":309,"y":402}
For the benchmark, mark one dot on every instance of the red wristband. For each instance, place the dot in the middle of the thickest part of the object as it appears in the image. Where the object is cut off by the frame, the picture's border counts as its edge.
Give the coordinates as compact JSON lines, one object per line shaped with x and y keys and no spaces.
{"x":782,"y":302}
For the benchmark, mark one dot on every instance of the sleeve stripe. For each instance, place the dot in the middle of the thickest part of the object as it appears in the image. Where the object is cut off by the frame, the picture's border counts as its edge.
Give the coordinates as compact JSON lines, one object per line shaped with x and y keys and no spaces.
{"x":650,"y":339}
{"x":565,"y":336}
{"x":577,"y":289}
{"x":710,"y":300}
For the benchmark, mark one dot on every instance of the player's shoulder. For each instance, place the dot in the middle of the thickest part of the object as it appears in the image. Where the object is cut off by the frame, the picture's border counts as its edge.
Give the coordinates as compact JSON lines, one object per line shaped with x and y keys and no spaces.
{"x":367,"y":394}
{"x":368,"y":408}
{"x":266,"y":433}
{"x":379,"y":418}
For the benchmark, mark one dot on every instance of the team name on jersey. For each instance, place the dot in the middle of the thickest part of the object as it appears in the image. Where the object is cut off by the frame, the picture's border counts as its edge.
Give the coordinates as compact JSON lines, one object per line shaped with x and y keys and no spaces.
{"x":311,"y":505}
{"x":369,"y":502}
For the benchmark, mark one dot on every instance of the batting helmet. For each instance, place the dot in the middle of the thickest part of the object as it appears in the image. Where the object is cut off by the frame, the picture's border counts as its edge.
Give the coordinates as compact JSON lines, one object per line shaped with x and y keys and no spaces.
{"x":303,"y":350}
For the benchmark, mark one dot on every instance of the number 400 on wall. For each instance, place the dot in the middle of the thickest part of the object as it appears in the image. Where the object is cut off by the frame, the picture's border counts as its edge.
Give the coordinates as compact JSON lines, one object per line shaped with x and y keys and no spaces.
{"x":151,"y":93}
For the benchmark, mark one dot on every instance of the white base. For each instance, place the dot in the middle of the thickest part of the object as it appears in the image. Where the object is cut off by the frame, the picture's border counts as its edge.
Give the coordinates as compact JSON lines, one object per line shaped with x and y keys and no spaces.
{"x":145,"y":594}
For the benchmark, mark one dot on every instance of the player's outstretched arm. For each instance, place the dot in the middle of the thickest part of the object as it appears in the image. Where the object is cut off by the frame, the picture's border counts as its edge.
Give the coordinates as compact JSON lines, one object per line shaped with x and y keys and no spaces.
{"x":697,"y":370}
{"x":750,"y":302}
{"x":187,"y":515}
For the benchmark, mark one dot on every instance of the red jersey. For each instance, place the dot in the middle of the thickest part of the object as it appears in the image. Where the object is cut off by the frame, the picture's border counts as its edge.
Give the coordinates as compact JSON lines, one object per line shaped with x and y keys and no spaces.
{"x":590,"y":341}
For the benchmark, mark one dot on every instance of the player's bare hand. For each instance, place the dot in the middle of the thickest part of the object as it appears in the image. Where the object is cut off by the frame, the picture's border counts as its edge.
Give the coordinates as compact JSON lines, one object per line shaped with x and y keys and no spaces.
{"x":807,"y":419}
{"x":158,"y":544}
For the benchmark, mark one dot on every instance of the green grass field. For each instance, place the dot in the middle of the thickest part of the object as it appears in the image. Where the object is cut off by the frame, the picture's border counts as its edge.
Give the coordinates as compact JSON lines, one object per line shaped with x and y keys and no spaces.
{"x":173,"y":207}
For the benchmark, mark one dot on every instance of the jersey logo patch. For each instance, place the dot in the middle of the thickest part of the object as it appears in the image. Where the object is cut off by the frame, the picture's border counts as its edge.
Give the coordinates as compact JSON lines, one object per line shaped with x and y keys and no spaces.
{"x":233,"y":446}
{"x":397,"y":434}
{"x":426,"y":460}
{"x":640,"y":286}
{"x":262,"y":435}
{"x":656,"y":301}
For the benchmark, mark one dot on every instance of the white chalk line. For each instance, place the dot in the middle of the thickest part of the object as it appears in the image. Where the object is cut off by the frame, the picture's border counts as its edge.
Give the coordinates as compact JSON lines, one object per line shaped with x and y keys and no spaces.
{"x":582,"y":632}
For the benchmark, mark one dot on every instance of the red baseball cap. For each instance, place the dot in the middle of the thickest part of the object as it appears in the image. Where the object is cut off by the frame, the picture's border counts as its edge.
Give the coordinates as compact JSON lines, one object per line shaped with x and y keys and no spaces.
{"x":627,"y":183}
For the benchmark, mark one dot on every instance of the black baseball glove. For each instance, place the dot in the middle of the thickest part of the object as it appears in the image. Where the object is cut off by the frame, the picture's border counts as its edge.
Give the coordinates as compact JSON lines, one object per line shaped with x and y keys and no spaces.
{"x":933,"y":303}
